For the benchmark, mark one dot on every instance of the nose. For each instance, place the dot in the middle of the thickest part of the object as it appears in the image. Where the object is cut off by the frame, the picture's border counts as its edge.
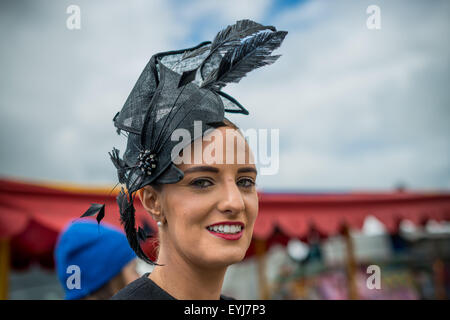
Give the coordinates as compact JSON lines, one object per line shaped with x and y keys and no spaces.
{"x":231,"y":200}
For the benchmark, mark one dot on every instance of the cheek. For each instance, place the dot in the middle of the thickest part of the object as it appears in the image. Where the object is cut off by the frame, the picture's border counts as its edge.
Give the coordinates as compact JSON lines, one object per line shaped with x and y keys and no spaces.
{"x":187,"y":215}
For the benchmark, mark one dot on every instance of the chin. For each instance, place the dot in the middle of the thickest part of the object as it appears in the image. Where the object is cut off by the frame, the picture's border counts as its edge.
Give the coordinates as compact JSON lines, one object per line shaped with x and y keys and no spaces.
{"x":228,"y":258}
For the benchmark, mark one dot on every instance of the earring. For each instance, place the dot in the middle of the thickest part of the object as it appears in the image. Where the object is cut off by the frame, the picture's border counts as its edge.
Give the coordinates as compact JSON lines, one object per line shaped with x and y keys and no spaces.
{"x":159,"y":223}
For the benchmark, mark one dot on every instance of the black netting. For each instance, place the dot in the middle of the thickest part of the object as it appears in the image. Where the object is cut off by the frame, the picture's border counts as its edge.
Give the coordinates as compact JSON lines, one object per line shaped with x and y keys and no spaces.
{"x":131,"y":117}
{"x":180,"y":87}
{"x":174,"y":90}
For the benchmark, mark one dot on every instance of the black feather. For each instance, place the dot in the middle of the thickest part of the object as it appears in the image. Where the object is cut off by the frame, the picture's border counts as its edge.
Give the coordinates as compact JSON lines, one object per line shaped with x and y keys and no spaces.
{"x":120,"y":165}
{"x":127,"y":218}
{"x":142,"y":236}
{"x":145,"y":233}
{"x":234,"y":33}
{"x":238,"y":61}
{"x":95,"y":209}
{"x":231,"y":36}
{"x":224,"y":40}
{"x":194,"y":53}
{"x":228,"y":36}
{"x":148,"y":229}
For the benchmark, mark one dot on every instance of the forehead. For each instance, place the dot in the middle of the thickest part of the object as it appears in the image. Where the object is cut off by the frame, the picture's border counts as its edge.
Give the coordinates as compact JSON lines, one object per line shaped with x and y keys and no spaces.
{"x":221,"y":147}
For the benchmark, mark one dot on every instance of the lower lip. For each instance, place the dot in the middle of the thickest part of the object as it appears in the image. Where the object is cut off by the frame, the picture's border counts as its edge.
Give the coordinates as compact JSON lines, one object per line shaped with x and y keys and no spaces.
{"x":234,"y":236}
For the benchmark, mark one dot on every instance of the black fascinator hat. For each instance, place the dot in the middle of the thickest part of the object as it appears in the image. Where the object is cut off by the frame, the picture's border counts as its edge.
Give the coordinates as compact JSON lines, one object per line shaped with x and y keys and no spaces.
{"x":175,"y":89}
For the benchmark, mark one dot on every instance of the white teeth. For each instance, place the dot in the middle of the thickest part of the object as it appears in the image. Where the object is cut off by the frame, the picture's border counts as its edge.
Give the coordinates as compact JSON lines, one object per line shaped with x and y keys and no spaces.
{"x":226,"y":228}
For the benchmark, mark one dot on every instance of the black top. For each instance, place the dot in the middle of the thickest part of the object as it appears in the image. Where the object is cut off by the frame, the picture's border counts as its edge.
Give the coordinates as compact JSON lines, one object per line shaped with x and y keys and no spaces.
{"x":145,"y":288}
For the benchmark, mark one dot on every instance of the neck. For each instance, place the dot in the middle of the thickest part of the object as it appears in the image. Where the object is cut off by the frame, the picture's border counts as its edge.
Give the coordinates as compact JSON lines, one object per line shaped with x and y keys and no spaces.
{"x":185,"y":281}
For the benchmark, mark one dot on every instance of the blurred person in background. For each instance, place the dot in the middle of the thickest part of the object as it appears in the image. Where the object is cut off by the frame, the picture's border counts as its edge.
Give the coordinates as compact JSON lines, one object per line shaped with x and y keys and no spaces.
{"x":90,"y":269}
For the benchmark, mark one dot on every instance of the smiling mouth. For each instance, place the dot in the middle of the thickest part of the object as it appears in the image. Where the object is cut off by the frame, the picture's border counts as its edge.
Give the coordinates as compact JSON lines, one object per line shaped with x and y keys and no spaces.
{"x":226,"y":228}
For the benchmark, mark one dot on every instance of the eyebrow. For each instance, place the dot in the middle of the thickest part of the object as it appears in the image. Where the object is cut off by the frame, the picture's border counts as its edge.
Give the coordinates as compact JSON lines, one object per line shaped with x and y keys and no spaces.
{"x":215,"y":170}
{"x":202,"y":169}
{"x":247,"y":169}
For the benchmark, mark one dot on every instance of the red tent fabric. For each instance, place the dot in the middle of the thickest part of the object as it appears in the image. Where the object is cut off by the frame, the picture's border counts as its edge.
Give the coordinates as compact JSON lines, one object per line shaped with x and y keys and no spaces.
{"x":32,"y":215}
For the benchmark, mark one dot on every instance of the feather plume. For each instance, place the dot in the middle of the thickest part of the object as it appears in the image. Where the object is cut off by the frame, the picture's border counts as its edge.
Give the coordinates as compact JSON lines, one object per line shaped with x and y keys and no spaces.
{"x":194,"y":53}
{"x":232,"y":35}
{"x":238,"y":61}
{"x":127,"y":218}
{"x":119,"y":164}
{"x":225,"y":39}
{"x":95,"y":209}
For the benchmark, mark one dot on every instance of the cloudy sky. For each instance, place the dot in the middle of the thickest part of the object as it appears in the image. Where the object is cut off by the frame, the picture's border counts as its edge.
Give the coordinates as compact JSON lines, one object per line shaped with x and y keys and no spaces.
{"x":357,"y":109}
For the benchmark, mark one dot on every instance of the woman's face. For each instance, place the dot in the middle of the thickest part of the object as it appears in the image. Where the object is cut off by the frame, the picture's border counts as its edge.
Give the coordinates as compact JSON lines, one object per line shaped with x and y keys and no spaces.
{"x":212,"y":193}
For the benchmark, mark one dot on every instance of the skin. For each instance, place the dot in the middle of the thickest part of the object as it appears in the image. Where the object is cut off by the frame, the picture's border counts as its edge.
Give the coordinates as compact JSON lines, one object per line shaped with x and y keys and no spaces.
{"x":195,"y":261}
{"x":127,"y":275}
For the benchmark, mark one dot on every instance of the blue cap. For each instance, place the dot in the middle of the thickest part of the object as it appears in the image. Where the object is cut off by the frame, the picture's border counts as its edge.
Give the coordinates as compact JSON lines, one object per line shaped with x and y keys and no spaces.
{"x":88,"y":256}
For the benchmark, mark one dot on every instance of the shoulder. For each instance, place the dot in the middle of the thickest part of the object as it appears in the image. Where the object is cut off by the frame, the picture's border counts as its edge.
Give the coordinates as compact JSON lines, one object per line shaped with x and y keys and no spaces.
{"x":136,"y":290}
{"x":142,"y":289}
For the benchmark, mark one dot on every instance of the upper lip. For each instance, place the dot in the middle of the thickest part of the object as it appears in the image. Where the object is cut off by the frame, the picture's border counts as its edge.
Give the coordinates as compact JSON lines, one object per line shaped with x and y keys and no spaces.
{"x":227,"y":223}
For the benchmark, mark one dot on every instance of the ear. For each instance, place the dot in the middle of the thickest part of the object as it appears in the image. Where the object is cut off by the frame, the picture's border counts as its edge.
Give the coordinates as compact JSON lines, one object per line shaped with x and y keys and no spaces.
{"x":151,"y":201}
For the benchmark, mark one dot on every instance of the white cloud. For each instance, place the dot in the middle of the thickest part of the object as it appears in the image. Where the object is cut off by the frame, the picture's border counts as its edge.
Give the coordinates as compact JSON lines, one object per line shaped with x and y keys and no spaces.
{"x":226,"y":12}
{"x":356,"y":108}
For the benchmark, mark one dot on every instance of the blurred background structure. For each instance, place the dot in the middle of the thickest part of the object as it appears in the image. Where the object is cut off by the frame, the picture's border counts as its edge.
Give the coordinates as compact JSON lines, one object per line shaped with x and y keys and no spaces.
{"x":305,"y":246}
{"x":362,"y":111}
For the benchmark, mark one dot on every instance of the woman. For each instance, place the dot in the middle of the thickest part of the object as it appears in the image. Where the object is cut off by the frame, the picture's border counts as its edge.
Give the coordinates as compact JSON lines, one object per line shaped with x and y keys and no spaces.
{"x":205,"y":204}
{"x":193,"y":256}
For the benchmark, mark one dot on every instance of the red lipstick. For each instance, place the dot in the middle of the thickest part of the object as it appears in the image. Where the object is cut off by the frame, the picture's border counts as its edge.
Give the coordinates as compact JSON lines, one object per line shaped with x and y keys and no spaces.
{"x":227,"y":236}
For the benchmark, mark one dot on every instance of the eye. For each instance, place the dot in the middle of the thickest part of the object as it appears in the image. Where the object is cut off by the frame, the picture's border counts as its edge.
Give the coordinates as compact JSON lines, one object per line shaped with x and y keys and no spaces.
{"x":246,"y":182}
{"x":201,"y":183}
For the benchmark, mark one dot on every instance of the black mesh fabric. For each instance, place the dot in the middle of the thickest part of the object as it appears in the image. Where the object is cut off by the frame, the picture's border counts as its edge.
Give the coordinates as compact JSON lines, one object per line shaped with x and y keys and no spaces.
{"x":157,"y":106}
{"x":172,"y":108}
{"x":175,"y":89}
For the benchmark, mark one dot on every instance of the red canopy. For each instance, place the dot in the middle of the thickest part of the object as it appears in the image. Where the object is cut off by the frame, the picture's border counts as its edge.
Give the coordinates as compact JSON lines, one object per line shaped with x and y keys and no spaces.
{"x":32,"y":215}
